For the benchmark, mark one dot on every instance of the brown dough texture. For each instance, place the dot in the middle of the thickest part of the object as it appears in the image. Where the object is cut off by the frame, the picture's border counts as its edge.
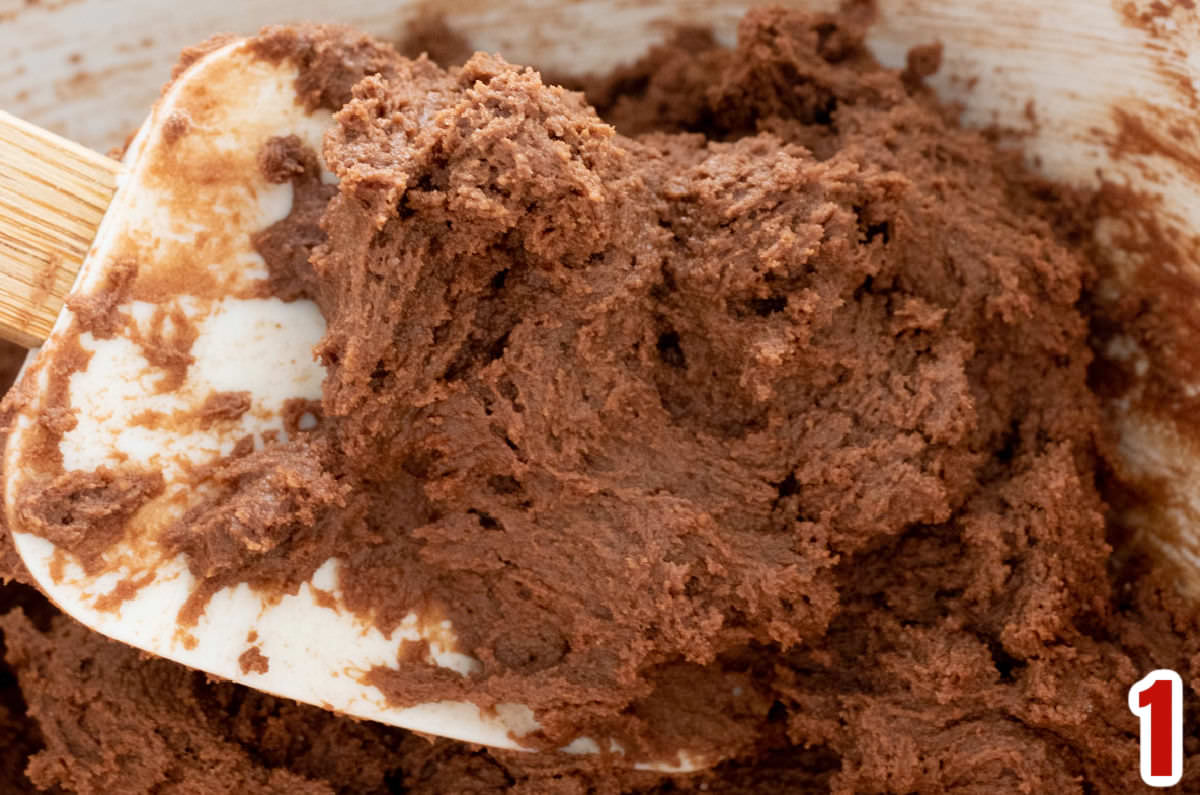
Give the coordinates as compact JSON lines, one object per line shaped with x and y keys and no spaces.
{"x":641,"y":415}
{"x":759,"y":423}
{"x":11,"y":358}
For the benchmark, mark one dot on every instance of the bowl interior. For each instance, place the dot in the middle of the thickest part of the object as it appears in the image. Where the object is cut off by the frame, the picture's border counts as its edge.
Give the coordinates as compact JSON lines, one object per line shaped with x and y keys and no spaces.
{"x":1101,"y":93}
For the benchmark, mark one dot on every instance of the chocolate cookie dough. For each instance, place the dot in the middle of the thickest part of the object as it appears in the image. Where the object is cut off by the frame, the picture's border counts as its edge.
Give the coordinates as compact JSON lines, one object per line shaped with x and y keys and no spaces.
{"x":639,"y":414}
{"x":11,"y":358}
{"x":759,"y":423}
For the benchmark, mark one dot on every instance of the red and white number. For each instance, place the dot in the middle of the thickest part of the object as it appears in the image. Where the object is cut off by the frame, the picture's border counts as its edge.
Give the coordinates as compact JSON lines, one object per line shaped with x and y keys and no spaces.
{"x":1158,"y":701}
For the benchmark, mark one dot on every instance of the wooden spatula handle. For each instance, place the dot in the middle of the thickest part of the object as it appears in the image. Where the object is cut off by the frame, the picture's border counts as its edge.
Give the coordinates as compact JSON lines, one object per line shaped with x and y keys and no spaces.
{"x":53,"y":193}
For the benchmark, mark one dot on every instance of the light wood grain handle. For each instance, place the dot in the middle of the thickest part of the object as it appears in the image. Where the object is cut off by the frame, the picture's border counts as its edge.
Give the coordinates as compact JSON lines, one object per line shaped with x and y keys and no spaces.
{"x":53,"y":193}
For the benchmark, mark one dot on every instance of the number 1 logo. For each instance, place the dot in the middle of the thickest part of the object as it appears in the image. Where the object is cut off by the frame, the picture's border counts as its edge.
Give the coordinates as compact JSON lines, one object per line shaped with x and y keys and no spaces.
{"x":1158,"y":701}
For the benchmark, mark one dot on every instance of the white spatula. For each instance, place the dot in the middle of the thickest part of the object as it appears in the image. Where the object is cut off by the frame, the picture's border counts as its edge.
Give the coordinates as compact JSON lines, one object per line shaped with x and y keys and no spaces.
{"x":189,"y":198}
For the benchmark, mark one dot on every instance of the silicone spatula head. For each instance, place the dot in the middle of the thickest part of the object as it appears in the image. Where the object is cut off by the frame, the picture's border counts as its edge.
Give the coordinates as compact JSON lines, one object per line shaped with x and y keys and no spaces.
{"x":173,"y":354}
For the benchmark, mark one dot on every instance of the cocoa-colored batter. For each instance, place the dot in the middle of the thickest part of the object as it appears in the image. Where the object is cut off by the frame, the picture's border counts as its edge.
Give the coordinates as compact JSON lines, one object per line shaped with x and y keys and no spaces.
{"x":760,"y":424}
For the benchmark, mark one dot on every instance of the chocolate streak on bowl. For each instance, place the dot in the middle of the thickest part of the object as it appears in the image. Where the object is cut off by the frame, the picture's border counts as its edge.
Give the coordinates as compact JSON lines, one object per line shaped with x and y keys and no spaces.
{"x":1145,"y":306}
